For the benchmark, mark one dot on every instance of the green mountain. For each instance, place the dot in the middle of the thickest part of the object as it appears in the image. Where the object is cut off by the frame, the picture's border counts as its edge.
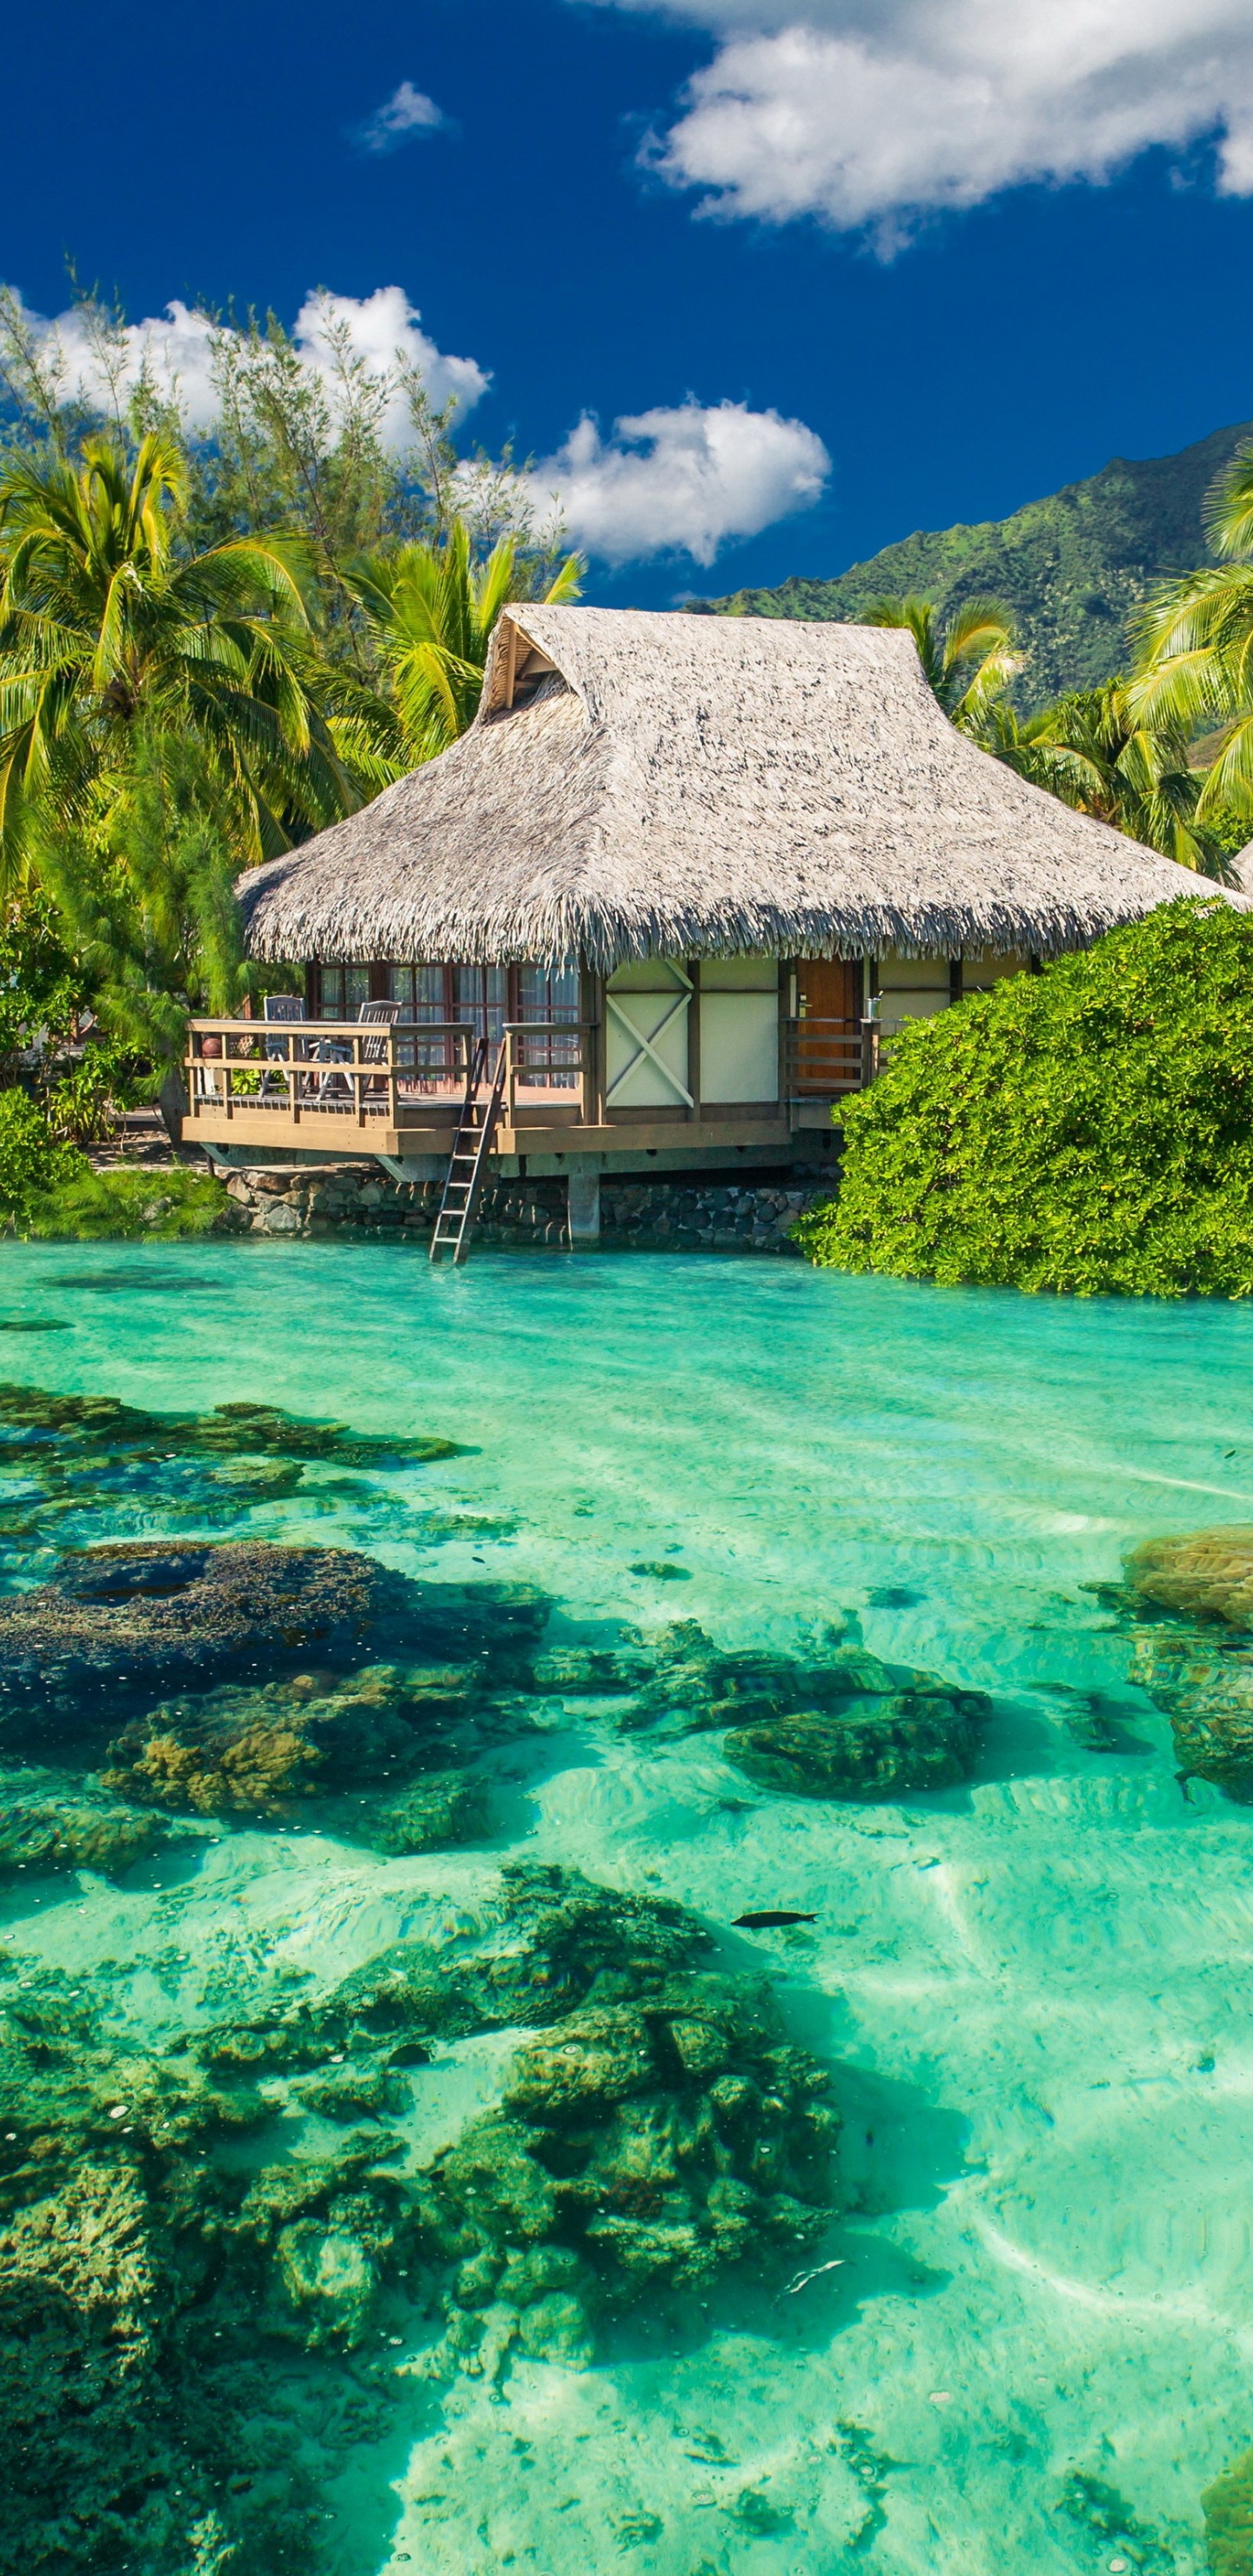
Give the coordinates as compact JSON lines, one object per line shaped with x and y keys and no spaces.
{"x":1073,"y":568}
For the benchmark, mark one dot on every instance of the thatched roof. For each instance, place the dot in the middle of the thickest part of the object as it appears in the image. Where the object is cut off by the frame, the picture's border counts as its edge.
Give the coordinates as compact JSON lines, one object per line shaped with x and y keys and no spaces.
{"x":683,"y":785}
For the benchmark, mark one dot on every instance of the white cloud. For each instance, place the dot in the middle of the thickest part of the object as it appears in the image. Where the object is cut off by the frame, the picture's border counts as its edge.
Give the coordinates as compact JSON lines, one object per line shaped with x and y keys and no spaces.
{"x":408,"y":111}
{"x":870,"y":112}
{"x":676,"y":481}
{"x":177,"y":351}
{"x":382,"y":328}
{"x":680,"y":481}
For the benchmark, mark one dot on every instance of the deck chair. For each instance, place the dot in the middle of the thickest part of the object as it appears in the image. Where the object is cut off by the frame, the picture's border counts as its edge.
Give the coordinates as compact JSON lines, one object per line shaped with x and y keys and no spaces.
{"x":335,"y":1087}
{"x":383,"y":1016}
{"x":279,"y":1006}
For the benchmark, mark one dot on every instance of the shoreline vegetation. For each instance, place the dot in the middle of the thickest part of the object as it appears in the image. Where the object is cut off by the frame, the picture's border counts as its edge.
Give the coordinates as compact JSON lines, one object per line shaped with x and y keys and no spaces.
{"x":1085,"y":1130}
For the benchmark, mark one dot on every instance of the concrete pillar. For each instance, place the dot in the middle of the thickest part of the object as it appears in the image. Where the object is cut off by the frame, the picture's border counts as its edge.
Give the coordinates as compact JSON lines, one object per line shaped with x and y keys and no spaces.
{"x":584,"y":1205}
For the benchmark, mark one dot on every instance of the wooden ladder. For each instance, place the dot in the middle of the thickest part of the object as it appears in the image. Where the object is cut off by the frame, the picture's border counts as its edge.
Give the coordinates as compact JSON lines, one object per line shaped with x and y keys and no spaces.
{"x":467,"y":1164}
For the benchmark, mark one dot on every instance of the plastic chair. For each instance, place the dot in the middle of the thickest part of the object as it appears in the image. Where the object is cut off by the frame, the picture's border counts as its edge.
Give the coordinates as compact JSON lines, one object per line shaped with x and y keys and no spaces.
{"x":279,"y":1006}
{"x":336,"y":1086}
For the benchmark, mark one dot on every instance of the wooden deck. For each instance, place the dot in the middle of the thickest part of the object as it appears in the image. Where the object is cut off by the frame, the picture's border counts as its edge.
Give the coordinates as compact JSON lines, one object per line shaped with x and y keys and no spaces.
{"x":341,"y":1088}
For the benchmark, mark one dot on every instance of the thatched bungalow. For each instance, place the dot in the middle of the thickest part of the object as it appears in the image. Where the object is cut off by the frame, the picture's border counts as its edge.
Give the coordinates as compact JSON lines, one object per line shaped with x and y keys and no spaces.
{"x":683,"y":876}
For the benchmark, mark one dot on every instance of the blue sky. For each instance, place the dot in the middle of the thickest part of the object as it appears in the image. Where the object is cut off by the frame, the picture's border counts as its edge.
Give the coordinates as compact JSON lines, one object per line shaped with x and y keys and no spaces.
{"x":938,"y":256}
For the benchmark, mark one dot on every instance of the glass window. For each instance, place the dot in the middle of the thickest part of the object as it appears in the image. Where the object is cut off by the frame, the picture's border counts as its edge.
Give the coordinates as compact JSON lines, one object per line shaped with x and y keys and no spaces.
{"x":330,"y":992}
{"x":480,"y":998}
{"x":548,"y":992}
{"x":356,"y":989}
{"x":548,"y":995}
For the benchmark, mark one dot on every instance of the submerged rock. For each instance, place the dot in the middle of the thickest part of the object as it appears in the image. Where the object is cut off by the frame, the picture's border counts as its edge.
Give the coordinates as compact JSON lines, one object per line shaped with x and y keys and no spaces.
{"x":123,"y":1624}
{"x":841,"y":1725}
{"x":1228,"y":2509}
{"x":870,"y":1748}
{"x":1206,"y":1575}
{"x":1205,"y":1688}
{"x":230,"y":1430}
{"x":590,"y":1671}
{"x":441,"y":1807}
{"x":1189,"y":1599}
{"x":45,"y":1824}
{"x":655,"y":2143}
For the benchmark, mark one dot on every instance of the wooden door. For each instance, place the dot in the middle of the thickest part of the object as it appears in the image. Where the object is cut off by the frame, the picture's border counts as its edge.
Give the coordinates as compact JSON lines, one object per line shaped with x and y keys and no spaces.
{"x":828,"y":1039}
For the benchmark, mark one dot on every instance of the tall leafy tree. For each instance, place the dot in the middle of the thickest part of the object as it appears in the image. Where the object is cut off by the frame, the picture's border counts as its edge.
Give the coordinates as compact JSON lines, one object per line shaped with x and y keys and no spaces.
{"x":1196,"y":649}
{"x":968,"y":657}
{"x":431,"y":610}
{"x":108,"y":619}
{"x":146,"y":896}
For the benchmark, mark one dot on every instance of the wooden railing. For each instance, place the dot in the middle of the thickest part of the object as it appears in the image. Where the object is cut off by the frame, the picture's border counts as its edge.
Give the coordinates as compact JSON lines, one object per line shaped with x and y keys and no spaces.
{"x":822,"y":1058}
{"x":366,"y":1073}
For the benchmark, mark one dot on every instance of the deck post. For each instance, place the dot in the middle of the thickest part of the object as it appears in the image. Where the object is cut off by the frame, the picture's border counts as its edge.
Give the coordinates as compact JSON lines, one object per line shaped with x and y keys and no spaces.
{"x":584,"y":1205}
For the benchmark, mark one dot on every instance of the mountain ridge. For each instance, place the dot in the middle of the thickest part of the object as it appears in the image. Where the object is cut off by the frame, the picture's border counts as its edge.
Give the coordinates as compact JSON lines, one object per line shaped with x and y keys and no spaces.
{"x":1074,"y":567}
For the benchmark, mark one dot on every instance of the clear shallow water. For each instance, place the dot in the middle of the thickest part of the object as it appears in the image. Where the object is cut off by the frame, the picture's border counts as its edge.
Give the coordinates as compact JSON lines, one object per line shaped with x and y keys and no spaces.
{"x":1039,"y":1985}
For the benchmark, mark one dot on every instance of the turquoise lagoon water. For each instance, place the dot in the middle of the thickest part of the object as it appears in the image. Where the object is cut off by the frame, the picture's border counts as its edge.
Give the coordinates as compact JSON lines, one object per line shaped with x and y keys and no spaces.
{"x":1038,"y":1988}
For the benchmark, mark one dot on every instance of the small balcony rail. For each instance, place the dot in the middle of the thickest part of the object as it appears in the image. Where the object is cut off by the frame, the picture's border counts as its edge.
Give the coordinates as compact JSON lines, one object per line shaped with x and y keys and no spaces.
{"x":822,"y":1058}
{"x":367,"y":1075}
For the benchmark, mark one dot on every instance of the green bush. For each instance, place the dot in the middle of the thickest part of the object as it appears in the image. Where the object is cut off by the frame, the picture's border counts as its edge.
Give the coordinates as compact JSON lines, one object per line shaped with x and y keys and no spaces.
{"x":33,"y":1161}
{"x":1087,"y":1129}
{"x":158,"y":1206}
{"x":47,"y":1188}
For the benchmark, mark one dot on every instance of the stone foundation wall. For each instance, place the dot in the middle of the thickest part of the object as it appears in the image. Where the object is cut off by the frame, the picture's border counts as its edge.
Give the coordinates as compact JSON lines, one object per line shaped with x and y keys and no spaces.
{"x":681,"y":1213}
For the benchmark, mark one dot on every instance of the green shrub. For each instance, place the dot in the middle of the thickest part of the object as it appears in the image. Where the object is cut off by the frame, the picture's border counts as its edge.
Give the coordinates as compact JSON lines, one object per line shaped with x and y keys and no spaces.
{"x":108,"y":1077}
{"x":1087,"y":1129}
{"x":33,"y":1161}
{"x":158,"y":1206}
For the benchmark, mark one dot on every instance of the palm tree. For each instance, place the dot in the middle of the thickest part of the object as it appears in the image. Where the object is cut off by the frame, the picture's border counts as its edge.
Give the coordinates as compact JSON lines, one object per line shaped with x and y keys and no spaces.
{"x":967,"y":661}
{"x":431,"y":610}
{"x":1195,"y":643}
{"x":1091,"y":749}
{"x":109,"y":621}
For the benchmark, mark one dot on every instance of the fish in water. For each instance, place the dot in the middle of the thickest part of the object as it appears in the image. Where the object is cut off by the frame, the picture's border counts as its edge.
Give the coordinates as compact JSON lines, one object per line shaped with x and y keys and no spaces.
{"x":769,"y":1922}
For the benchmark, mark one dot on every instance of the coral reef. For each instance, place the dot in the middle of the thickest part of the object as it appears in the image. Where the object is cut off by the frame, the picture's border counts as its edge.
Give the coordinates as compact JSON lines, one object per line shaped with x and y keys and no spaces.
{"x":163,"y":2218}
{"x":232,"y":1749}
{"x":142,"y":2255}
{"x":230,"y":1430}
{"x":122,"y":1624}
{"x":642,"y":2146}
{"x":76,"y":1454}
{"x":347,"y":1738}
